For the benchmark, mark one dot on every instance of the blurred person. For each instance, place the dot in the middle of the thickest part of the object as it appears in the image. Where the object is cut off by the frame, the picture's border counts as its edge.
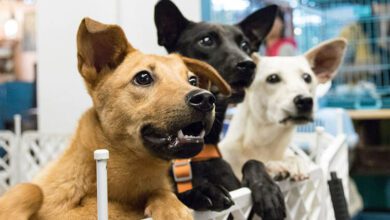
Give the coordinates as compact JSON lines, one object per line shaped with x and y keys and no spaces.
{"x":277,"y":43}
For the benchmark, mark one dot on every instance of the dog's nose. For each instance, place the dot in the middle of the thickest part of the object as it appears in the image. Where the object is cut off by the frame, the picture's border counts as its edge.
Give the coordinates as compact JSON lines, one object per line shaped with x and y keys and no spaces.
{"x":201,"y":100}
{"x":246,"y":66}
{"x":303,"y":104}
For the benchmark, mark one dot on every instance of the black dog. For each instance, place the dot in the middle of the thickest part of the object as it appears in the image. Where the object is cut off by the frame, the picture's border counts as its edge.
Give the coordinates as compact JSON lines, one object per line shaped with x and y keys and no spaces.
{"x":227,"y":48}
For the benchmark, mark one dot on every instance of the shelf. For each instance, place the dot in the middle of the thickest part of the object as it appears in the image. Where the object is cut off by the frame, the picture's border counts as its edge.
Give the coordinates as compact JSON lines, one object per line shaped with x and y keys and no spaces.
{"x":377,"y":114}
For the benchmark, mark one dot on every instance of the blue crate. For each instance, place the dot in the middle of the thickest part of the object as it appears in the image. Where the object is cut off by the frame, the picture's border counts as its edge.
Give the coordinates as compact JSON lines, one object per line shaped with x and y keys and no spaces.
{"x":312,"y":21}
{"x":372,"y":216}
{"x":15,"y":98}
{"x":3,"y":98}
{"x":355,"y":102}
{"x":363,"y":81}
{"x":375,"y":191}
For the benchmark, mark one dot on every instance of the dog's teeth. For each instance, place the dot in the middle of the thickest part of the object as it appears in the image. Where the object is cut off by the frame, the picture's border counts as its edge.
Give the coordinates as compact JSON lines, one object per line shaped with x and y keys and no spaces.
{"x":180,"y":134}
{"x":202,"y":133}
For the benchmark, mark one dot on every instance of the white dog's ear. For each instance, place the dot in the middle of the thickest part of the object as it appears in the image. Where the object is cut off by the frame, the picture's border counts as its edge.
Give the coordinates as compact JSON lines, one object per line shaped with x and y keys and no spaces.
{"x":326,"y":58}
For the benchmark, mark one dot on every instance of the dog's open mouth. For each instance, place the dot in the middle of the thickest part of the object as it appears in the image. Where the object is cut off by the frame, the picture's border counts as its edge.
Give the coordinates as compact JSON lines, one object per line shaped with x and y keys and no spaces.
{"x":298,"y":119}
{"x":183,"y":143}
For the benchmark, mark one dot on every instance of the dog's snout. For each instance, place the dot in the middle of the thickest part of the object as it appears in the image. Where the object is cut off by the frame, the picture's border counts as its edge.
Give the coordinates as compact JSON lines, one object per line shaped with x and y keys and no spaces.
{"x":303,"y":104}
{"x":201,"y":100}
{"x":246,"y":66}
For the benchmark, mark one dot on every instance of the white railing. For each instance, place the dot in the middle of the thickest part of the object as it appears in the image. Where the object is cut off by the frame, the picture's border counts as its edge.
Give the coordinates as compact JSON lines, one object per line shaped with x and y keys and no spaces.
{"x":329,"y":154}
{"x":240,"y":211}
{"x":36,"y":150}
{"x":7,"y":143}
{"x":26,"y":153}
{"x":101,"y":156}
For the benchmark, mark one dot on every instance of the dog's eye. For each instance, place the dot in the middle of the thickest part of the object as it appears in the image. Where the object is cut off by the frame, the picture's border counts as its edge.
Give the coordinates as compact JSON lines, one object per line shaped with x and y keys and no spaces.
{"x":143,"y":78}
{"x":207,"y":41}
{"x":193,"y":80}
{"x":306,"y":77}
{"x":245,"y":47}
{"x":273,"y":78}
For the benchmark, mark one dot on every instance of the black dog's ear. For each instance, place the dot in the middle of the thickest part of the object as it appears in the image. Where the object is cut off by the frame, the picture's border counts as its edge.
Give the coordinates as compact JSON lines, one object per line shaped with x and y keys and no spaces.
{"x":257,"y":25}
{"x":170,"y":22}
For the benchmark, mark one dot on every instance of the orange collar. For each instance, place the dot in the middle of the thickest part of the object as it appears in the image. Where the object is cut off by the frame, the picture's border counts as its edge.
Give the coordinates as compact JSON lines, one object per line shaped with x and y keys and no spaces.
{"x":209,"y":151}
{"x":182,"y":167}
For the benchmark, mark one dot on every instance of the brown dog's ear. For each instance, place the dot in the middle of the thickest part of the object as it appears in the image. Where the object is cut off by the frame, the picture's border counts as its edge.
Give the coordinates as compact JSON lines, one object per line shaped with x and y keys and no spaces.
{"x":207,"y":74}
{"x":99,"y":46}
{"x":326,"y":58}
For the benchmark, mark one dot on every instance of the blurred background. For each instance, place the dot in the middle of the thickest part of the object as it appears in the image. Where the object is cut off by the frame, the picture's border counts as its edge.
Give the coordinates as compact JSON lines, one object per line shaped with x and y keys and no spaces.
{"x":40,"y":82}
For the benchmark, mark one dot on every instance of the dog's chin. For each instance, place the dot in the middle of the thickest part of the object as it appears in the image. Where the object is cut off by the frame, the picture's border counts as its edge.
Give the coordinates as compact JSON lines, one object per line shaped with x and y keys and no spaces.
{"x":238,"y":90}
{"x":297,"y":119}
{"x":185,"y":142}
{"x":237,"y":96}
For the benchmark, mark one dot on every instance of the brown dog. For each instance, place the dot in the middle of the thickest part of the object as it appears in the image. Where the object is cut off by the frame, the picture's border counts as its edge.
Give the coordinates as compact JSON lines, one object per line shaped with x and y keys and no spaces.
{"x":147,"y":109}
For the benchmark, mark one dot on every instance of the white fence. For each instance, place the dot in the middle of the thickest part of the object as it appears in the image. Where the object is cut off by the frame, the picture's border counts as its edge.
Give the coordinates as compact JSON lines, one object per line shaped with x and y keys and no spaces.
{"x":26,"y":153}
{"x":7,"y":142}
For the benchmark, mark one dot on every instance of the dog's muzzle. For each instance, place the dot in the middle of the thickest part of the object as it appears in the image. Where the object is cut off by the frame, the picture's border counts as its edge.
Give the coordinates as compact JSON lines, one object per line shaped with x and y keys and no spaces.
{"x":201,"y":100}
{"x":304,"y":111}
{"x":242,"y":79}
{"x":303,"y":104}
{"x":184,"y":138}
{"x":297,"y":119}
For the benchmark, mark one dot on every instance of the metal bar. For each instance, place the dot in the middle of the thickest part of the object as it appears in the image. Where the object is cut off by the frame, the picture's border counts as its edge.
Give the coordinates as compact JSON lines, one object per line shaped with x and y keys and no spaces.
{"x":15,"y":153}
{"x":101,"y":156}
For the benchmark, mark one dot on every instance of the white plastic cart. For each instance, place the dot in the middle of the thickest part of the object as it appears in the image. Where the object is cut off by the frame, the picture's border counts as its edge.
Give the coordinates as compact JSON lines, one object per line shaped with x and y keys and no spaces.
{"x":27,"y":152}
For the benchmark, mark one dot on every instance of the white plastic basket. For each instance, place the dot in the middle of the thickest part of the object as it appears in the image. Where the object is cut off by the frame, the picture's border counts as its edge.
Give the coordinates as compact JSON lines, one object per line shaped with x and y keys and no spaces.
{"x":330,"y":153}
{"x":307,"y":199}
{"x":304,"y":201}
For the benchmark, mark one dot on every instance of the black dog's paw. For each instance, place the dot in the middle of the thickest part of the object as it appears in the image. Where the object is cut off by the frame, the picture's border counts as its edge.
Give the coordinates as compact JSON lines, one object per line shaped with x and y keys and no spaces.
{"x":268,"y":202}
{"x":207,"y":197}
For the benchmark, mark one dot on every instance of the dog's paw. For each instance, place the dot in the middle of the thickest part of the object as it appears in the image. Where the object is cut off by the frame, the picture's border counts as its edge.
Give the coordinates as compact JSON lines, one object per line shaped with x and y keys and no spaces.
{"x":172,"y":209}
{"x":171,"y":213}
{"x":268,"y":202}
{"x":207,"y":197}
{"x":281,"y":170}
{"x":278,"y":170}
{"x":299,"y":177}
{"x":267,"y":197}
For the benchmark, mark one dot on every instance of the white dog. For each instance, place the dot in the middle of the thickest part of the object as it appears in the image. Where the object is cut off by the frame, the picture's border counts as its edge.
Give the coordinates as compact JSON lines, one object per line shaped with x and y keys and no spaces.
{"x":280,"y":97}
